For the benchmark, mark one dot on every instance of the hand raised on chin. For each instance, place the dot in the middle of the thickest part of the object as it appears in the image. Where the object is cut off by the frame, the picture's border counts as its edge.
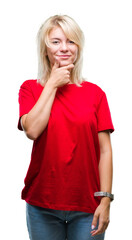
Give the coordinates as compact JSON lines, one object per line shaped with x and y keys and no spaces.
{"x":60,"y":75}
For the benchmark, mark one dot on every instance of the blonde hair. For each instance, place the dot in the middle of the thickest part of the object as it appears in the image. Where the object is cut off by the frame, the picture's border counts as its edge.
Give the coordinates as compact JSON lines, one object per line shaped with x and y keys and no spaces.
{"x":73,"y":32}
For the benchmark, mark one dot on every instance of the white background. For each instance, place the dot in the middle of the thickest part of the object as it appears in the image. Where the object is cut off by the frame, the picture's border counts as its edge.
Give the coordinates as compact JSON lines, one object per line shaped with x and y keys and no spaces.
{"x":107,"y":26}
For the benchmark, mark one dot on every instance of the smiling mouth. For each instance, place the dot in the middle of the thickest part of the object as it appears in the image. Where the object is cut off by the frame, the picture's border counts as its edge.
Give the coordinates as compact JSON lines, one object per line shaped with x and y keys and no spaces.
{"x":64,"y":56}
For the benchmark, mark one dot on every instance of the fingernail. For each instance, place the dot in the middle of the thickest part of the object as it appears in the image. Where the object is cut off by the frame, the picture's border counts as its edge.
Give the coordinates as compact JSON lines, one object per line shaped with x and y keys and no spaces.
{"x":93,"y":227}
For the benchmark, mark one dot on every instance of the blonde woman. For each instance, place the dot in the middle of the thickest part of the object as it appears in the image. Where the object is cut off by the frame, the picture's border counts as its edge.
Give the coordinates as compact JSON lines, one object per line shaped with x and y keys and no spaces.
{"x":69,"y":180}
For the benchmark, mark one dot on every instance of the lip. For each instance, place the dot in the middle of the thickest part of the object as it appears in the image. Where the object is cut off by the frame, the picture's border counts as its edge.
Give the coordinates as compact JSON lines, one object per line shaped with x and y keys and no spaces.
{"x":64,"y":56}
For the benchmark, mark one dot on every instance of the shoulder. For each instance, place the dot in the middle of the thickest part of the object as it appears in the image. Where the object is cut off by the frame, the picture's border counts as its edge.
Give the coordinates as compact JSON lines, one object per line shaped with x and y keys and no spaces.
{"x":31,"y":84}
{"x":94,"y":88}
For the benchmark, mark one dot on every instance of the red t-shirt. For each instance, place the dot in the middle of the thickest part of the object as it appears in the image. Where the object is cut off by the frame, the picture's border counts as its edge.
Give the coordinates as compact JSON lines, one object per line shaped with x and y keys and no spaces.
{"x":63,"y":172}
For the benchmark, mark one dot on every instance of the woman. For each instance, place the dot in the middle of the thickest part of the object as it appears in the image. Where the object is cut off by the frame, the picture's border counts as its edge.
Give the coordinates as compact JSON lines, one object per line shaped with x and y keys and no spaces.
{"x":70,"y":122}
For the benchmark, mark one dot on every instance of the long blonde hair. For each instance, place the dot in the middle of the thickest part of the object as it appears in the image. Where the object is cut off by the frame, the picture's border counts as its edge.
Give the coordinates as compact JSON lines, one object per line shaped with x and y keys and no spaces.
{"x":73,"y":32}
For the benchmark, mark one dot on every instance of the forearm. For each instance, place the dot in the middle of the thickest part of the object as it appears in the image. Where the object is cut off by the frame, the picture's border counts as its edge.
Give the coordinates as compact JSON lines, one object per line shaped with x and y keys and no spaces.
{"x":102,"y":211}
{"x":106,"y":171}
{"x":37,"y":119}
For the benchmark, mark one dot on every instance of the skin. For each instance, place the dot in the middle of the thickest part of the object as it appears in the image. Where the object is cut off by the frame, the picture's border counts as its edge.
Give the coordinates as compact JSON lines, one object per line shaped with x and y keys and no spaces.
{"x":61,"y":48}
{"x":62,"y":55}
{"x":105,"y":172}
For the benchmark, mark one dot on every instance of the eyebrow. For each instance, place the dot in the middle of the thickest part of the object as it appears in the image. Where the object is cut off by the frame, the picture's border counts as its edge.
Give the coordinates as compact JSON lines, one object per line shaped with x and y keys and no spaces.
{"x":55,"y":38}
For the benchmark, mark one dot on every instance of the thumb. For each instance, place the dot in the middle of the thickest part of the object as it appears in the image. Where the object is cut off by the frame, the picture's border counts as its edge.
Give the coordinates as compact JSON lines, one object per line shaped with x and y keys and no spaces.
{"x":94,"y":222}
{"x":56,"y":64}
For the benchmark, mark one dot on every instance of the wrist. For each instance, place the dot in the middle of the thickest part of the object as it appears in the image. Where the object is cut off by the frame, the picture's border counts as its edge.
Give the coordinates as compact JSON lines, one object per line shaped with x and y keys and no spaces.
{"x":51,"y":84}
{"x":105,"y":200}
{"x":104,"y":194}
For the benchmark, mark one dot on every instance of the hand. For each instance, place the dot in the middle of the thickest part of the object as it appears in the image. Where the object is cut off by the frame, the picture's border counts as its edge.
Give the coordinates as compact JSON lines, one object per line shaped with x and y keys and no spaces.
{"x":102,"y":215}
{"x":60,"y":75}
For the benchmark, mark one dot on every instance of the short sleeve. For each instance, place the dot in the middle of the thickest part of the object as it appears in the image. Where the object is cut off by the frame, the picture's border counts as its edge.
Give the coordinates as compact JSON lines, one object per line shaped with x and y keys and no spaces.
{"x":26,"y":101}
{"x":104,"y":116}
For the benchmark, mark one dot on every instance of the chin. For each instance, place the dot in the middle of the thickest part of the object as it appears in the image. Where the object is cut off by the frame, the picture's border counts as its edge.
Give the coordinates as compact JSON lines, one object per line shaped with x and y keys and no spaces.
{"x":65,"y":63}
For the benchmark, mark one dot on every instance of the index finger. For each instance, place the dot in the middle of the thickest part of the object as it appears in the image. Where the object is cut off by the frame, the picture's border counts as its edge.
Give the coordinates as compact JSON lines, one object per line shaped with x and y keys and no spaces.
{"x":70,"y":66}
{"x":101,"y":229}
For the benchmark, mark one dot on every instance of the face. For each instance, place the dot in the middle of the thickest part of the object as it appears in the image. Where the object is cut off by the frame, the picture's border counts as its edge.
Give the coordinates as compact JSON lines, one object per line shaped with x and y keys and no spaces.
{"x":61,"y":48}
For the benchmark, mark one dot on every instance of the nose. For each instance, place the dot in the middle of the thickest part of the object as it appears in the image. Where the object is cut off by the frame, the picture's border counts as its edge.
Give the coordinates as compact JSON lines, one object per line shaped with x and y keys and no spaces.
{"x":64,"y":47}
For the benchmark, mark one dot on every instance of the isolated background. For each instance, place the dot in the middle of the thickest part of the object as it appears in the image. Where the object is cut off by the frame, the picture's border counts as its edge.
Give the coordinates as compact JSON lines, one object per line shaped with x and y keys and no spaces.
{"x":107,"y":26}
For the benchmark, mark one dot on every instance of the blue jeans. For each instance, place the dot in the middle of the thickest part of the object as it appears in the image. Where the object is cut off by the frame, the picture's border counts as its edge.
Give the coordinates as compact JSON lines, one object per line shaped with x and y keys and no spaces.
{"x":49,"y":224}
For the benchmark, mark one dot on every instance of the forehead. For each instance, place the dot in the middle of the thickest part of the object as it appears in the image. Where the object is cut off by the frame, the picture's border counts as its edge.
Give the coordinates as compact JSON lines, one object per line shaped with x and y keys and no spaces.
{"x":57,"y":32}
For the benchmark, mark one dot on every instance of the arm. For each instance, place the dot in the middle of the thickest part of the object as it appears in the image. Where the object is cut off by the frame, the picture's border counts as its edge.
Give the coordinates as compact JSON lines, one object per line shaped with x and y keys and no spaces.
{"x":37,"y":119}
{"x":105,"y":172}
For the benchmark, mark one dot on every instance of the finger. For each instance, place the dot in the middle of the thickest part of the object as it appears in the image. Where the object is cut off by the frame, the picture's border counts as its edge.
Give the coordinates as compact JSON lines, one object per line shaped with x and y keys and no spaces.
{"x":68,"y":72}
{"x":101,"y":228}
{"x":96,"y":232}
{"x":56,"y":64}
{"x":70,"y":66}
{"x":94,"y":222}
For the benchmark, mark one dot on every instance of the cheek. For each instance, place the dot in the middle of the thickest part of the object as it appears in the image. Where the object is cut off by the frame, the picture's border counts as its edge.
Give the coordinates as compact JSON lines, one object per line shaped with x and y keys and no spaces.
{"x":75,"y":50}
{"x":50,"y":54}
{"x":75,"y":53}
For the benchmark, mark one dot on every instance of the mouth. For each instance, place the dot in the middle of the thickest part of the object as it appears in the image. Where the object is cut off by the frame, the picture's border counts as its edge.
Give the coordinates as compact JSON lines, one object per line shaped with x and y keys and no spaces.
{"x":64,"y":56}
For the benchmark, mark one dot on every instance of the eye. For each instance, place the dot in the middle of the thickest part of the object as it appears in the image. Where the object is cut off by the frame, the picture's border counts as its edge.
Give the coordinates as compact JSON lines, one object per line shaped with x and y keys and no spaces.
{"x":71,"y":42}
{"x":55,"y":42}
